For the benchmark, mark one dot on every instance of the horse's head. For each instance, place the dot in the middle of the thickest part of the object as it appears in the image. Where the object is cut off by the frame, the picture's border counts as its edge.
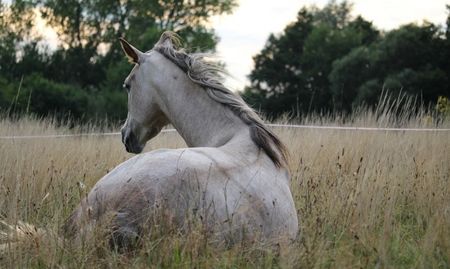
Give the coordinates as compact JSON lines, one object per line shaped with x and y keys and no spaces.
{"x":145,"y":118}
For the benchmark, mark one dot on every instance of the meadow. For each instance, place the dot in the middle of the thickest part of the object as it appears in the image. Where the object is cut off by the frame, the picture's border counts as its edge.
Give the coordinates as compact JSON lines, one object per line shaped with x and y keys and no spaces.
{"x":365,"y":199}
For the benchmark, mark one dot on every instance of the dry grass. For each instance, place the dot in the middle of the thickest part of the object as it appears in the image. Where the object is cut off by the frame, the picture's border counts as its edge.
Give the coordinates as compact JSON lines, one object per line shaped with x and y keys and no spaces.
{"x":365,"y":199}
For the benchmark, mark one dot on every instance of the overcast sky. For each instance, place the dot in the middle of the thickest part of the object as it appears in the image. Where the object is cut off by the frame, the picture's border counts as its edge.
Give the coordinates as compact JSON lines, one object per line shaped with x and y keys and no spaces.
{"x":244,"y":33}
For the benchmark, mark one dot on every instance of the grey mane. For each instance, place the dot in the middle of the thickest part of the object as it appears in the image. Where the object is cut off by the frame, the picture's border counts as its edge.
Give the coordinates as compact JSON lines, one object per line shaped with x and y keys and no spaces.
{"x":210,"y":76}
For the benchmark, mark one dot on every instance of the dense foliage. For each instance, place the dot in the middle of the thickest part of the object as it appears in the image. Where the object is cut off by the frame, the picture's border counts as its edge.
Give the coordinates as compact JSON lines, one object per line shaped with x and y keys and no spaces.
{"x":328,"y":61}
{"x":83,"y":77}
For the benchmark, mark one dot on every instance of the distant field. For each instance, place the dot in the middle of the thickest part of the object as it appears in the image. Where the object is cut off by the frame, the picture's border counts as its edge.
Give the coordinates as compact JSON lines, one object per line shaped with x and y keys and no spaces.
{"x":365,"y":199}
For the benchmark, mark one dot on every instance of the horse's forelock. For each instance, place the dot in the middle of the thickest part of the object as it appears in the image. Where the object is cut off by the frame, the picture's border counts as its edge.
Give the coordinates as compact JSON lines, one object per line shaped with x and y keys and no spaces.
{"x":169,"y":39}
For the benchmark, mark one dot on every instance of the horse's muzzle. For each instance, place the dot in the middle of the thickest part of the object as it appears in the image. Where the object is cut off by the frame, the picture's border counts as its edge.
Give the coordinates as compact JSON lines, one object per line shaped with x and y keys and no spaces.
{"x":131,"y":142}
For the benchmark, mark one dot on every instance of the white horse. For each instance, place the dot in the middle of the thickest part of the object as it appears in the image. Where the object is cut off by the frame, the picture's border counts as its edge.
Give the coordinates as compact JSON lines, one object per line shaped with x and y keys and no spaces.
{"x":232,"y":178}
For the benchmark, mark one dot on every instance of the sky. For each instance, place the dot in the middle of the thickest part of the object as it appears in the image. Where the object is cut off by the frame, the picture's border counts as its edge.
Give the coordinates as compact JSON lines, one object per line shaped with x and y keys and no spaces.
{"x":244,"y":33}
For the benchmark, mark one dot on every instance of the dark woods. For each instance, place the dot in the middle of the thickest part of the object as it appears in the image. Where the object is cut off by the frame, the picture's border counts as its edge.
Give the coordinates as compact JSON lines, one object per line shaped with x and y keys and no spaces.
{"x":327,"y":60}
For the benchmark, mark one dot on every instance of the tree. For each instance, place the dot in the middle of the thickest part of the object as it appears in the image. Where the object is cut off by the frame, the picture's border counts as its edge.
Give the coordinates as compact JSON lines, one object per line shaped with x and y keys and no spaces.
{"x":16,"y":23}
{"x":291,"y":72}
{"x":329,"y":61}
{"x":94,"y":22}
{"x":87,"y":70}
{"x":408,"y":59}
{"x":268,"y":83}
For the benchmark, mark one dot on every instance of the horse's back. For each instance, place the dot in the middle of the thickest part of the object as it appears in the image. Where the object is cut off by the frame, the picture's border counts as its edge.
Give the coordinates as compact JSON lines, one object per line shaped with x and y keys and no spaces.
{"x":225,"y":192}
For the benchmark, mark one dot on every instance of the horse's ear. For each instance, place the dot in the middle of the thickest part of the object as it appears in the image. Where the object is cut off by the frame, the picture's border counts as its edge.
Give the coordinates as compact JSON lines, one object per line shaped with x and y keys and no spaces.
{"x":132,"y":53}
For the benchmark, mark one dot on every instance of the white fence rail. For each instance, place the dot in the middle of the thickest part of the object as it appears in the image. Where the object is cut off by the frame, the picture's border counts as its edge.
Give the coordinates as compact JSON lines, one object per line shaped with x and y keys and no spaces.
{"x":349,"y":128}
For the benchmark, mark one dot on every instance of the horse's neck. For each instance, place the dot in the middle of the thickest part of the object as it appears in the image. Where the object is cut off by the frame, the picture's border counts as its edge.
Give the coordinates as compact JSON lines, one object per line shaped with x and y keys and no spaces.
{"x":201,"y":121}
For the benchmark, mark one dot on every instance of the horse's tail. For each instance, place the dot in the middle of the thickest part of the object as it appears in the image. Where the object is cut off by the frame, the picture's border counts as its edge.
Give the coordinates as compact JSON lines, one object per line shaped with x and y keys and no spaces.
{"x":22,"y":233}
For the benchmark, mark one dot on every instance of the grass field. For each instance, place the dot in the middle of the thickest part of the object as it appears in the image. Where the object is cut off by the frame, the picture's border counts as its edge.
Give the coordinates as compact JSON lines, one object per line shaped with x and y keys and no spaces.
{"x":366,"y":199}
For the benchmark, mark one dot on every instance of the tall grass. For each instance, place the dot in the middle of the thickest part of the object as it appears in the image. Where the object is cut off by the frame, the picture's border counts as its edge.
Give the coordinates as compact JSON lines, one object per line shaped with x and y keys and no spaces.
{"x":365,"y":199}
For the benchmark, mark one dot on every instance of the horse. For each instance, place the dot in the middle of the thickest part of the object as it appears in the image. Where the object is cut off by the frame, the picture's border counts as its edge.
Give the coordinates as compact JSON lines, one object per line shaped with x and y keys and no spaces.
{"x":232,"y":177}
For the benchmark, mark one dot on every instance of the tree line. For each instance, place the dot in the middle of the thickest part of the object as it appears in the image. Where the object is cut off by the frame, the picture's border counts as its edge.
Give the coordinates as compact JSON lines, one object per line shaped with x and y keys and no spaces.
{"x":82,"y":78}
{"x":329,"y":61}
{"x":326,"y":60}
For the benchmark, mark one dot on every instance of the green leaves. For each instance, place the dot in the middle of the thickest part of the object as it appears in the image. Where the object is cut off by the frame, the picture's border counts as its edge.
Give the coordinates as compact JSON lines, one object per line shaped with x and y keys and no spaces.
{"x":407,"y":59}
{"x":86,"y":71}
{"x":292,"y":70}
{"x":89,"y":23}
{"x":327,"y":61}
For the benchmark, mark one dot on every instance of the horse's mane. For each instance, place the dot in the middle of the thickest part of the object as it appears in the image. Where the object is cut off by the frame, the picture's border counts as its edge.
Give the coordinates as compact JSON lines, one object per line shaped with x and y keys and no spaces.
{"x":210,"y":75}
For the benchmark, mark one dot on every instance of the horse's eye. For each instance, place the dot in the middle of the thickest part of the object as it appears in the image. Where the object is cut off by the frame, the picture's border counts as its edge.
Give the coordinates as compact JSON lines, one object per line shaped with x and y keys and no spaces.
{"x":126,"y":86}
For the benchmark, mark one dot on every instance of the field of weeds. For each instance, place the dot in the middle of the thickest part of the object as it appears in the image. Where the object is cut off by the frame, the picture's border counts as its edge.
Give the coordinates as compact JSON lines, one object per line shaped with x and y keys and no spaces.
{"x":365,"y":199}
